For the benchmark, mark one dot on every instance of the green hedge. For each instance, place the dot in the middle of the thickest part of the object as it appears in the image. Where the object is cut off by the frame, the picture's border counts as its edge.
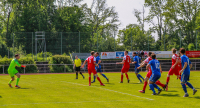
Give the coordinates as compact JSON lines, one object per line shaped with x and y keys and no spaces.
{"x":60,"y":59}
{"x":29,"y":69}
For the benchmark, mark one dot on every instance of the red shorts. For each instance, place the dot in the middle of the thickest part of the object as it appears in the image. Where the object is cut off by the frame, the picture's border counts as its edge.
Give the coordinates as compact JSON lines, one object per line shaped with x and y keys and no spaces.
{"x":125,"y":69}
{"x":149,"y":74}
{"x":173,"y":71}
{"x":92,"y":71}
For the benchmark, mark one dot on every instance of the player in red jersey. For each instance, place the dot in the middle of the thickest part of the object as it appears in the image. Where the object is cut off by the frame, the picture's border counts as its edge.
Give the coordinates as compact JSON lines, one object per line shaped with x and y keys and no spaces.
{"x":174,"y":68}
{"x":146,"y":61}
{"x":91,"y":60}
{"x":126,"y":61}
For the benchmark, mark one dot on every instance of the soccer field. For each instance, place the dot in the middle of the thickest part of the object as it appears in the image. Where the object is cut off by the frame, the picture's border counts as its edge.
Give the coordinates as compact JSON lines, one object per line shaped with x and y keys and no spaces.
{"x":64,"y":91}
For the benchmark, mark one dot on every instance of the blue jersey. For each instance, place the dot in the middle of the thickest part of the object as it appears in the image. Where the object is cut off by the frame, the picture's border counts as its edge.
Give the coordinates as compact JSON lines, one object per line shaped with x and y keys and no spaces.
{"x":184,"y":59}
{"x":97,"y":61}
{"x":155,"y":66}
{"x":137,"y":60}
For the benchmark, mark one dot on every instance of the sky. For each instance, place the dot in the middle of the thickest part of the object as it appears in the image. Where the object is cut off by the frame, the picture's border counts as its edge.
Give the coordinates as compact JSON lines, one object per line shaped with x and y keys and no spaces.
{"x":125,"y":11}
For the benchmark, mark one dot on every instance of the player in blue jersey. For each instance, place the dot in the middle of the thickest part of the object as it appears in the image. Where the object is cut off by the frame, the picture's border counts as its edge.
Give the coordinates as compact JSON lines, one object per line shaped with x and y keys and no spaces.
{"x":186,"y":65}
{"x":156,"y":74}
{"x":137,"y":61}
{"x":98,"y":69}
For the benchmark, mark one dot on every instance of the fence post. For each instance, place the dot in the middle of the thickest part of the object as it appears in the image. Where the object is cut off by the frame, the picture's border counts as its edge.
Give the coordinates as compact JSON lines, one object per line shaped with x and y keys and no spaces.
{"x":114,"y":40}
{"x":61,"y":43}
{"x":97,"y":41}
{"x":13,"y":46}
{"x":24,"y":71}
{"x":32,"y":45}
{"x":103,"y":68}
{"x":64,"y":69}
{"x":196,"y":40}
{"x":195,"y":66}
{"x":3,"y":70}
{"x":79,"y":42}
{"x":131,"y":41}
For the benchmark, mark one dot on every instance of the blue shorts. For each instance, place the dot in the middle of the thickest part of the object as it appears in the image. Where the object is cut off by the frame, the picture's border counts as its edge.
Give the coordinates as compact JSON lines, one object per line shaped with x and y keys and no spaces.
{"x":184,"y":78}
{"x":98,"y":69}
{"x":154,"y":78}
{"x":137,"y":70}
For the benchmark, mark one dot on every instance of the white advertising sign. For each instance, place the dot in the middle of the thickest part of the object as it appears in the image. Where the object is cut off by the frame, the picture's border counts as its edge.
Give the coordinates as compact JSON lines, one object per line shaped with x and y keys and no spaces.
{"x":108,"y":55}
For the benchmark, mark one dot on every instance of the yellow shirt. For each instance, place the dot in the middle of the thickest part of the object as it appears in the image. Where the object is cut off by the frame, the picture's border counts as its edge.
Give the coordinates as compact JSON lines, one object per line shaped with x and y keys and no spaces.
{"x":77,"y":62}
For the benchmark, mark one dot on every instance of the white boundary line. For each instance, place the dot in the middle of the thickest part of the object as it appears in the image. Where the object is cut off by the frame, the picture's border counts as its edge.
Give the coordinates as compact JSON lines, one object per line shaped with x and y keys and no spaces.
{"x":69,"y":102}
{"x":109,"y":90}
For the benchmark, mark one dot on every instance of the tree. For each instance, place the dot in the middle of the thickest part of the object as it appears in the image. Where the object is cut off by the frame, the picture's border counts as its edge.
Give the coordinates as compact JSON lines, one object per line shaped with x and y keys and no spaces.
{"x":132,"y":38}
{"x":156,"y":11}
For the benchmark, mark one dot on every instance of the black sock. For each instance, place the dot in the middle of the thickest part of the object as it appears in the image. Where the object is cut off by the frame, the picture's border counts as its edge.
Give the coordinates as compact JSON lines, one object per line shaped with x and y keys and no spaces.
{"x":76,"y":74}
{"x":81,"y":74}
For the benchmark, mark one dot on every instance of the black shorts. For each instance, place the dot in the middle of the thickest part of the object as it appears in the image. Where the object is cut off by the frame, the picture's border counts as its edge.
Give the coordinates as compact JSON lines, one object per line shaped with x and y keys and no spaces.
{"x":78,"y":68}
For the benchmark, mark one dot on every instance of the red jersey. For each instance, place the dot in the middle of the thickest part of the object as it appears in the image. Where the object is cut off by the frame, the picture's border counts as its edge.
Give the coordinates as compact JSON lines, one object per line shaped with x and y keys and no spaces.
{"x":90,"y":61}
{"x":179,"y":63}
{"x":127,"y":61}
{"x":147,"y":61}
{"x":174,"y":58}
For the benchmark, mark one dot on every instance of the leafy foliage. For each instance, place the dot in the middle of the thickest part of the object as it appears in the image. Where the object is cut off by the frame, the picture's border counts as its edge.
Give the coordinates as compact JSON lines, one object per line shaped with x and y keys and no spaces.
{"x":60,"y":59}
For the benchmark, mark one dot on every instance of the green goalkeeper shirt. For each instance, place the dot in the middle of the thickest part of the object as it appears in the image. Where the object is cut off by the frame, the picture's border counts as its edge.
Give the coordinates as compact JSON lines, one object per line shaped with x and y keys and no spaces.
{"x":14,"y":63}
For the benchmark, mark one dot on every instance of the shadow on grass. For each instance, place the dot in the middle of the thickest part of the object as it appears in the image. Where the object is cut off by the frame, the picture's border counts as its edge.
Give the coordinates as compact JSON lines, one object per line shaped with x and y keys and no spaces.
{"x":169,"y":95}
{"x":22,"y":88}
{"x":136,"y":83}
{"x":172,"y":91}
{"x":0,"y":96}
{"x":197,"y":97}
{"x":110,"y":83}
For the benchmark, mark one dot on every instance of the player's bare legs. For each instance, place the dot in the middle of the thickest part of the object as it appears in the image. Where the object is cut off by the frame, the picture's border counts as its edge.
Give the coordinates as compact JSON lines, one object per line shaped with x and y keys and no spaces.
{"x":18,"y":77}
{"x":123,"y":77}
{"x":11,"y":80}
{"x":99,"y":80}
{"x":89,"y":79}
{"x":145,"y":85}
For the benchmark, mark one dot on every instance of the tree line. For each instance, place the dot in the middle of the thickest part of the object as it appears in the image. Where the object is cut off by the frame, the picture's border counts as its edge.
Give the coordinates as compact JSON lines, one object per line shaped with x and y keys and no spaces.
{"x":177,"y":25}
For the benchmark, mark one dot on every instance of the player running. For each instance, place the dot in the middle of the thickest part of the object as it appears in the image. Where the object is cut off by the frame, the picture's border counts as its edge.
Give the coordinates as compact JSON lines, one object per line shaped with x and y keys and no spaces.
{"x":126,"y":61}
{"x":174,"y":68}
{"x":91,"y":60}
{"x":12,"y":71}
{"x":77,"y":65}
{"x":156,"y":74}
{"x":137,"y":61}
{"x":146,"y":61}
{"x":98,"y":68}
{"x":186,"y":65}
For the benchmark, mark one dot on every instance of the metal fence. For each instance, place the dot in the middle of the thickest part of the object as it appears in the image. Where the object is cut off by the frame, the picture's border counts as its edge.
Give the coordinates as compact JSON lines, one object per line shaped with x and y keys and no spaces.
{"x":106,"y":67}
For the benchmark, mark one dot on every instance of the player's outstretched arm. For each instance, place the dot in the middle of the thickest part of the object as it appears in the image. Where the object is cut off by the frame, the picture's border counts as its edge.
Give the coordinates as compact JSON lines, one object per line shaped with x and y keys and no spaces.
{"x":19,"y":65}
{"x":160,"y":69}
{"x":185,"y":65}
{"x":83,"y":64}
{"x":134,"y":62}
{"x":190,"y":66}
{"x":120,"y":62}
{"x":148,"y":66}
{"x":142,"y":65}
{"x":16,"y":61}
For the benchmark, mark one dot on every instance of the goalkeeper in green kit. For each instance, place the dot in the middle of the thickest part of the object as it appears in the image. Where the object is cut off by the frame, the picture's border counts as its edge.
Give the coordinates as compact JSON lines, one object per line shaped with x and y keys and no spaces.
{"x":12,"y":71}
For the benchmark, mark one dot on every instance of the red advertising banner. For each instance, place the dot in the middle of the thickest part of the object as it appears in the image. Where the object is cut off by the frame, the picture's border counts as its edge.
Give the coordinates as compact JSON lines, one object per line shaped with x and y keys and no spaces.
{"x":193,"y":54}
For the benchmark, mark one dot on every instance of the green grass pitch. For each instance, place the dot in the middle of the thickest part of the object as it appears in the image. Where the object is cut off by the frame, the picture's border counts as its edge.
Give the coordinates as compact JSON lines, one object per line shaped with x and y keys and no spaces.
{"x":64,"y":91}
